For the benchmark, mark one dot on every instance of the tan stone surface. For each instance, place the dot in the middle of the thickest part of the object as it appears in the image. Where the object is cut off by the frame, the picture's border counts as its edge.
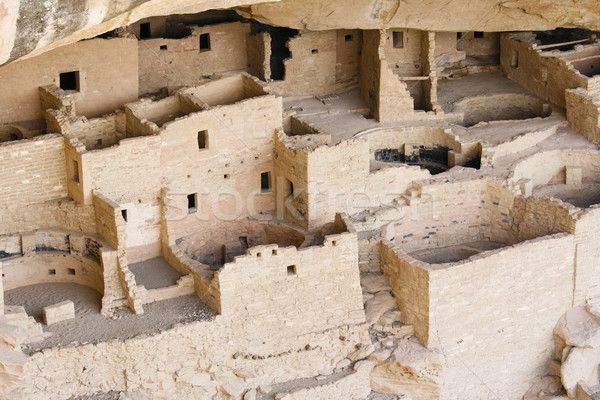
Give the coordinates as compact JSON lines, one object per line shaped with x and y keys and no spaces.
{"x":412,"y":369}
{"x":59,"y":312}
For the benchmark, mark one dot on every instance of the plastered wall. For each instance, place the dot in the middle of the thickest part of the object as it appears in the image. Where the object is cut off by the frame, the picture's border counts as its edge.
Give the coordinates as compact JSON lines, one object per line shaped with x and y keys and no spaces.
{"x":108,"y":70}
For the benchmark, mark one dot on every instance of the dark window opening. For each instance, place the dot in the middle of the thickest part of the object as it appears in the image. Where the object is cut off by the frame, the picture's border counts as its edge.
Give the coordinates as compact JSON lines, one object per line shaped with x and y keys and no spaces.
{"x":202,"y":140}
{"x":75,"y":171}
{"x":226,"y":176}
{"x":279,"y":50}
{"x":243,"y":242}
{"x":349,"y":38}
{"x":124,"y":215}
{"x":334,"y":243}
{"x":265,"y":182}
{"x":314,"y":51}
{"x":205,"y":42}
{"x":514,"y":62}
{"x":163,"y":47}
{"x":51,"y":272}
{"x":191,"y":198}
{"x":478,"y":35}
{"x":145,"y":30}
{"x":69,"y":80}
{"x":291,"y":270}
{"x":70,"y":271}
{"x":13,"y":136}
{"x":458,"y":35}
{"x":398,"y":39}
{"x":259,"y":254}
{"x":289,"y":189}
{"x":274,"y":252}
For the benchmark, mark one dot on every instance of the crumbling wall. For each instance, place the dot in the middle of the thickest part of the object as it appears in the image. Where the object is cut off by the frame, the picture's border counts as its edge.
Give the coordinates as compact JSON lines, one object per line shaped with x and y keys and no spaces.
{"x":191,"y":368}
{"x":108,"y":70}
{"x":388,"y":98}
{"x":311,"y":68}
{"x":545,"y":74}
{"x":96,"y":133}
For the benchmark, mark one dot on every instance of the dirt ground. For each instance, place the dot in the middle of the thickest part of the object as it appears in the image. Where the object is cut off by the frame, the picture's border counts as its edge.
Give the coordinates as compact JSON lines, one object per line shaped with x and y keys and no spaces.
{"x":89,"y":326}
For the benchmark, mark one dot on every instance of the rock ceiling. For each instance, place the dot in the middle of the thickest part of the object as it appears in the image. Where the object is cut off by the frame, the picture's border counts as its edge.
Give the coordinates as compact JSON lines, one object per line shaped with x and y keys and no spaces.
{"x":28,"y":28}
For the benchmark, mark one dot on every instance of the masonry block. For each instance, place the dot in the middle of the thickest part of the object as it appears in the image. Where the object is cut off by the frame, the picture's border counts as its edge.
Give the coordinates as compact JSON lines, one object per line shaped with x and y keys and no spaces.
{"x":59,"y":312}
{"x":573,"y":175}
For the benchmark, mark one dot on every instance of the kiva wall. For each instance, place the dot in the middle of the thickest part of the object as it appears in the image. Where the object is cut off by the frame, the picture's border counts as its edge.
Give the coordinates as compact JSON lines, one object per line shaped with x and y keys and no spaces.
{"x":475,"y":308}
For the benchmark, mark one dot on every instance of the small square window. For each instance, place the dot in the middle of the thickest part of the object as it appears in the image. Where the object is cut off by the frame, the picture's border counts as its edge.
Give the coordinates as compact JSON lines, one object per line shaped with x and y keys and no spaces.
{"x":291,"y":270}
{"x":314,"y":51}
{"x":124,"y":215}
{"x":334,"y":243}
{"x":274,"y":252}
{"x":145,"y":30}
{"x":70,"y":271}
{"x":398,"y":39}
{"x":69,"y":81}
{"x":349,"y":38}
{"x":163,"y":47}
{"x":259,"y":254}
{"x":226,"y":176}
{"x":265,"y":182}
{"x":203,"y":140}
{"x":205,"y":42}
{"x":52,"y":272}
{"x":192,"y":202}
{"x":478,"y":35}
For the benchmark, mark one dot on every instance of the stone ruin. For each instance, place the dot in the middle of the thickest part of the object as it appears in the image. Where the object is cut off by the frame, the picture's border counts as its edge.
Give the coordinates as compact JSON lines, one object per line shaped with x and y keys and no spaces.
{"x":209,"y":203}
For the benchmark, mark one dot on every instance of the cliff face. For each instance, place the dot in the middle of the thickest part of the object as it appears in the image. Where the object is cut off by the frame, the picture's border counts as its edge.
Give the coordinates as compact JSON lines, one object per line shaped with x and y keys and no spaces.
{"x":433,"y":15}
{"x":28,"y":27}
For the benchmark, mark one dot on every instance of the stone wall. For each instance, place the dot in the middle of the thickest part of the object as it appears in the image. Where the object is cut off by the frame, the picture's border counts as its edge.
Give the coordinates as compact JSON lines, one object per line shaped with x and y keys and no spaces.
{"x":257,"y":286}
{"x":311,"y":68}
{"x":583,"y":113}
{"x":475,"y":308}
{"x":108,"y":79}
{"x":196,"y":360}
{"x":545,"y":74}
{"x":32,"y":170}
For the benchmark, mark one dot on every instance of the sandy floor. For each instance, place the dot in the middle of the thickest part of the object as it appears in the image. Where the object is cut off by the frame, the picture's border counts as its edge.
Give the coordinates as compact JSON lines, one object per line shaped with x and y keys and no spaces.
{"x":91,"y":327}
{"x":450,"y":254}
{"x":154,"y":273}
{"x":452,"y":90}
